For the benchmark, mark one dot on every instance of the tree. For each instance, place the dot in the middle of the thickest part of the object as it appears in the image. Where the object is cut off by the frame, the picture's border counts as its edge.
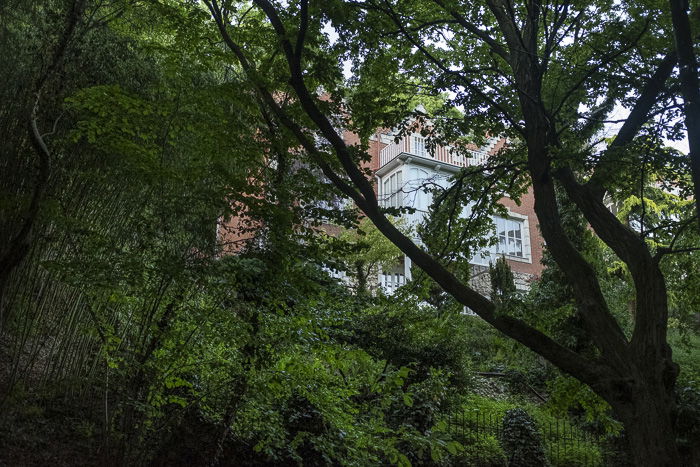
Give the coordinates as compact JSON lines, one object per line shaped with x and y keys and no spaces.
{"x":368,"y":251}
{"x":124,"y":313}
{"x":529,"y":70}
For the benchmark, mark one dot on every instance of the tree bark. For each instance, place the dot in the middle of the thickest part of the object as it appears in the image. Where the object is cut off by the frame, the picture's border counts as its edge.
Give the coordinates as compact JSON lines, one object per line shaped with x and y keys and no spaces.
{"x":646,"y":408}
{"x":690,"y":89}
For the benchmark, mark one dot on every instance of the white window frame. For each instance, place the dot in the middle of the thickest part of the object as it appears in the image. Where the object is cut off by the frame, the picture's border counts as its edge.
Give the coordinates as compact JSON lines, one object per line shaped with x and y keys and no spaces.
{"x":513,"y":219}
{"x":392,"y":186}
{"x":418,"y":146}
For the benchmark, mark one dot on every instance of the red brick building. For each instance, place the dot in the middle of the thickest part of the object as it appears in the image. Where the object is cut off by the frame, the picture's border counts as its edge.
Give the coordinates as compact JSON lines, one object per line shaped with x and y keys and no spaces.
{"x":402,"y":167}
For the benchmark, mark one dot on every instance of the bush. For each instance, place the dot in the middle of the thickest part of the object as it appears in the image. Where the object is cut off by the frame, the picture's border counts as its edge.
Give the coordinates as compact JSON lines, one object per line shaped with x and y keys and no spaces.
{"x":688,"y":424}
{"x":567,"y":454}
{"x":480,"y":450}
{"x":521,"y":440}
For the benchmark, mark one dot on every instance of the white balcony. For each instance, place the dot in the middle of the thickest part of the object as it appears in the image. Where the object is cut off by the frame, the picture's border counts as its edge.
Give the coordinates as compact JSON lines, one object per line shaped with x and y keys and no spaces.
{"x":416,"y":146}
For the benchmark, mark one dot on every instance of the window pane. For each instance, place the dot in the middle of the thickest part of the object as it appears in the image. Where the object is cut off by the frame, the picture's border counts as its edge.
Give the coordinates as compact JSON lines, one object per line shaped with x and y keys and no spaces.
{"x":419,"y":146}
{"x":509,"y":234}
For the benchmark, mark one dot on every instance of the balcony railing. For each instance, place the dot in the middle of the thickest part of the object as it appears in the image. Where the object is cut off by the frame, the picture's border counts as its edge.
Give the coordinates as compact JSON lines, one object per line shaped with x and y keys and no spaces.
{"x":416,"y":147}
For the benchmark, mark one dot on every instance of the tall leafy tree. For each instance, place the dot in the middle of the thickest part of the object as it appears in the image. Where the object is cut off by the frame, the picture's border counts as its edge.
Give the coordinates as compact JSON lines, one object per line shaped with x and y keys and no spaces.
{"x":129,"y":309}
{"x":547,"y":74}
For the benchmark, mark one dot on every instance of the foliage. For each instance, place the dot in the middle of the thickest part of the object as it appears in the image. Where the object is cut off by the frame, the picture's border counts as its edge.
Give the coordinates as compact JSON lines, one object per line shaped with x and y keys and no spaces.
{"x":563,"y":443}
{"x":502,"y":282}
{"x":409,"y":334}
{"x":521,"y":439}
{"x":363,"y":251}
{"x":689,"y":421}
{"x":150,"y":324}
{"x":576,"y":455}
{"x":481,"y":450}
{"x":148,"y":334}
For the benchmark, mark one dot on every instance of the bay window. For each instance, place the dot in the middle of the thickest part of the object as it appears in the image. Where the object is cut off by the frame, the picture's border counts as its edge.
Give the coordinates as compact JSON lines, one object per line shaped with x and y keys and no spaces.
{"x":418,"y":146}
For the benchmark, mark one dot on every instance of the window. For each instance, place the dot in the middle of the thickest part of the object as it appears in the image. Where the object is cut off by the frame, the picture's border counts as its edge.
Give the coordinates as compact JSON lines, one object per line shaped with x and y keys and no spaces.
{"x":510,"y":237}
{"x":392,"y":190}
{"x":418,"y":146}
{"x":422,"y":198}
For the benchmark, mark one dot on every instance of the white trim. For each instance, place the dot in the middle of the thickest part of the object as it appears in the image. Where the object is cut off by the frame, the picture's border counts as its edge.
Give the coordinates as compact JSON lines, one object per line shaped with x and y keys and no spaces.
{"x":527,"y":247}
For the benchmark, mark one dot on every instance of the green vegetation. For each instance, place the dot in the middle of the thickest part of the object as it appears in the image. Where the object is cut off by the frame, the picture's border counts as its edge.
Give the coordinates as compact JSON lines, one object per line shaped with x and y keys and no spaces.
{"x":175,"y":204}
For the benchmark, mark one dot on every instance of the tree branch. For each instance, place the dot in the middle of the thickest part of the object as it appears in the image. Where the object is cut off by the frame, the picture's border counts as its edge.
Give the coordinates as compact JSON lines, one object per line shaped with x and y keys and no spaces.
{"x":463,"y":79}
{"x":497,"y":48}
{"x":688,"y":71}
{"x":637,"y":117}
{"x":303,"y":27}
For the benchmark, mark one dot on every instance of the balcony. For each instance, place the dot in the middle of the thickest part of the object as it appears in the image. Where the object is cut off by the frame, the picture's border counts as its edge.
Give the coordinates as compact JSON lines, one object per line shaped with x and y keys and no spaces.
{"x":416,"y":146}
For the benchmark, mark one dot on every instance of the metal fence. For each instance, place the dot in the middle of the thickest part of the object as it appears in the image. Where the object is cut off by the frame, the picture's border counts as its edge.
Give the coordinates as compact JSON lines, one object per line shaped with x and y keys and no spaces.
{"x":564,"y":444}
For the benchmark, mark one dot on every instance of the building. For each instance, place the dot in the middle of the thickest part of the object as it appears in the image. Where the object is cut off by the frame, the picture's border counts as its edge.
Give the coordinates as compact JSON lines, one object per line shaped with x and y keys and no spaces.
{"x":403,"y":166}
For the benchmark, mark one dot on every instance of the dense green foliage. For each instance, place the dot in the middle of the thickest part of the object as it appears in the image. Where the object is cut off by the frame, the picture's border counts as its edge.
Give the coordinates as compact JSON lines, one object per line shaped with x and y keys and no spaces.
{"x":521,"y":439}
{"x":172,"y":301}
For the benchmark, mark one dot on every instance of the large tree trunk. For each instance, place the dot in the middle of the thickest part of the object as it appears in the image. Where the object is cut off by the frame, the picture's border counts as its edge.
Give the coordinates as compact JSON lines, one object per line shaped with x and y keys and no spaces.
{"x":647,"y":410}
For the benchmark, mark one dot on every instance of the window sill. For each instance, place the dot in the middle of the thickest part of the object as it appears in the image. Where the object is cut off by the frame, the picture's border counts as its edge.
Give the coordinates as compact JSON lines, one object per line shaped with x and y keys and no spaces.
{"x":519,"y":259}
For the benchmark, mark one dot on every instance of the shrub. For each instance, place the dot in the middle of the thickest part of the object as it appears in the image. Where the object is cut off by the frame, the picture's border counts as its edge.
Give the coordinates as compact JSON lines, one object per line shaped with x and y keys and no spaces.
{"x":480,"y":450}
{"x":521,"y":440}
{"x":688,"y":424}
{"x":566,"y":454}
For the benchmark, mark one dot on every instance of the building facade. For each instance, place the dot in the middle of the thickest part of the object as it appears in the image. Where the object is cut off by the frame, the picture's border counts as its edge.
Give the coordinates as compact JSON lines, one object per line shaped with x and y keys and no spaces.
{"x":404,"y":167}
